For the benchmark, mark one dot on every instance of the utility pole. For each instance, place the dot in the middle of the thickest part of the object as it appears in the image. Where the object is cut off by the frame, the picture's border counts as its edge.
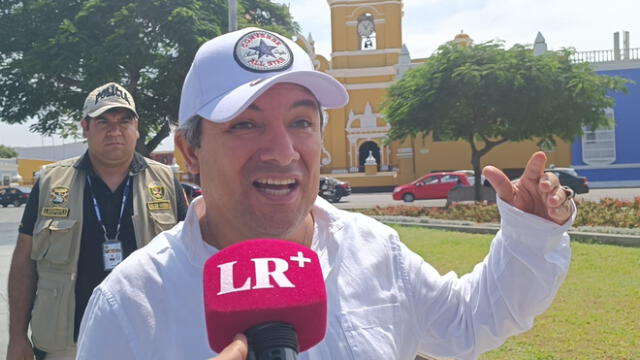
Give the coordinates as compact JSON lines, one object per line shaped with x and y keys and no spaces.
{"x":233,"y":15}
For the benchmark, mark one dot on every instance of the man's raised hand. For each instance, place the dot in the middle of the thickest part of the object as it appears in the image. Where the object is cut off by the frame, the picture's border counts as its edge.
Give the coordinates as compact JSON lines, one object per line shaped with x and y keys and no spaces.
{"x":536,"y":192}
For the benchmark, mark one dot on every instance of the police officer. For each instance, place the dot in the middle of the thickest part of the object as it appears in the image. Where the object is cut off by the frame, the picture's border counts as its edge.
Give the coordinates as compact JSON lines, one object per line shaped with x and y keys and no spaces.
{"x":84,"y":216}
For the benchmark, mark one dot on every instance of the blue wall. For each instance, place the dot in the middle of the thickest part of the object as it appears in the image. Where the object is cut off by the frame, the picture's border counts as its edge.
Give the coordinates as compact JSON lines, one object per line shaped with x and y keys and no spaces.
{"x":627,"y":132}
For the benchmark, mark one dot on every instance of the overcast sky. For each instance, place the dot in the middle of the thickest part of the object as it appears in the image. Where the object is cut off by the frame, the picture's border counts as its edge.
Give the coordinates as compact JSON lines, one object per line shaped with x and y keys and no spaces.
{"x":583,"y":24}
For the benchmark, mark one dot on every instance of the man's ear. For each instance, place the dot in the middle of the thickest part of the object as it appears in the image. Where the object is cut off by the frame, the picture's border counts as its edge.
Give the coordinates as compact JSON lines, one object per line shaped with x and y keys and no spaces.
{"x":85,"y":127}
{"x":137,"y":129}
{"x":188,"y":152}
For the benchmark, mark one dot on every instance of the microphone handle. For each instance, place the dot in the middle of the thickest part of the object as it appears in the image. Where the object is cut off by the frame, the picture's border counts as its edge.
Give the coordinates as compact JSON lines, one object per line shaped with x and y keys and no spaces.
{"x":272,"y":341}
{"x":281,"y":353}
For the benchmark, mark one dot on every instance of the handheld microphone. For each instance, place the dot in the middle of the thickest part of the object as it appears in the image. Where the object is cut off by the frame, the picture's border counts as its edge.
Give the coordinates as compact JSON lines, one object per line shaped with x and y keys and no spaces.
{"x":273,"y":291}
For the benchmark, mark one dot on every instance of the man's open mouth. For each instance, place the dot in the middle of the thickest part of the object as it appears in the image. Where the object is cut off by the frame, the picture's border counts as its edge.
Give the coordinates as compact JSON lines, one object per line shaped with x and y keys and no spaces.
{"x":278,"y":187}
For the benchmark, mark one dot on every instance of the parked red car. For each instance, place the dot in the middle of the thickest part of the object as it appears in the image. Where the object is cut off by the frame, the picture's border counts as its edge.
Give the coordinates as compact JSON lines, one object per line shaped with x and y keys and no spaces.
{"x":430,"y":186}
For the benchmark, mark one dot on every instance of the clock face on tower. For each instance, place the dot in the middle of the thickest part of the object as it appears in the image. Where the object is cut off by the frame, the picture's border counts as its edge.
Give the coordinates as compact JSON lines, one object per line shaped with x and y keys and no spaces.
{"x":365,"y":27}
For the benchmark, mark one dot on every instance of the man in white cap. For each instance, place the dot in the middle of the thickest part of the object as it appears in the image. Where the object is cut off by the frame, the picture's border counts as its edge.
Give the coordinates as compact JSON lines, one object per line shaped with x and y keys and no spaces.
{"x":250,"y":125}
{"x":83,"y":217}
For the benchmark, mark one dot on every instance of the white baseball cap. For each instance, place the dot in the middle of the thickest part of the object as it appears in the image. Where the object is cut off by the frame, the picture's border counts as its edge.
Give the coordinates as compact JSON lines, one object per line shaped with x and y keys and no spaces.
{"x":230,"y":71}
{"x":105,"y":97}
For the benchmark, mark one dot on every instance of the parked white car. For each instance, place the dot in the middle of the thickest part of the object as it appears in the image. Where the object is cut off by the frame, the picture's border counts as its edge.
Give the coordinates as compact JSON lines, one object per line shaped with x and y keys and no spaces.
{"x":471,"y":177}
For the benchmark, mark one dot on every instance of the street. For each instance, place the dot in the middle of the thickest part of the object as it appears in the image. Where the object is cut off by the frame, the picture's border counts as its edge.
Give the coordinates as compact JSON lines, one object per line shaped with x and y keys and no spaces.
{"x":363,"y":201}
{"x":10,"y":219}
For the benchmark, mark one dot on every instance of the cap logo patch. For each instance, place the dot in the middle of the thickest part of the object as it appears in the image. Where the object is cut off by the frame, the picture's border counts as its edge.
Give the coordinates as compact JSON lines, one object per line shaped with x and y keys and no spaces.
{"x":109,"y":91}
{"x":261,"y":51}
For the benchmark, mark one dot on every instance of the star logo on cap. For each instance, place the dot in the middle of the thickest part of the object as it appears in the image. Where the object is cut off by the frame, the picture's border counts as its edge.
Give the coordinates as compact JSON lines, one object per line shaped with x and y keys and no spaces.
{"x":262,"y":51}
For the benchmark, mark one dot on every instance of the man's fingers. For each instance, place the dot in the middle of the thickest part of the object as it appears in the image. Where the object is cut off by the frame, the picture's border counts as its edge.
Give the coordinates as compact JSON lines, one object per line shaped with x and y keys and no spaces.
{"x":500,"y":182}
{"x":560,"y":214}
{"x":548,"y":183}
{"x":558,"y":204}
{"x":535,"y":166}
{"x":237,"y":350}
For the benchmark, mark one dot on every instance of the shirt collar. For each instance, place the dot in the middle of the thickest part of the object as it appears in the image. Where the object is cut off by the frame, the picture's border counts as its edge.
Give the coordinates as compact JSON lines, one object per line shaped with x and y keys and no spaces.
{"x":327,"y":223}
{"x":198,"y":251}
{"x":138,"y":163}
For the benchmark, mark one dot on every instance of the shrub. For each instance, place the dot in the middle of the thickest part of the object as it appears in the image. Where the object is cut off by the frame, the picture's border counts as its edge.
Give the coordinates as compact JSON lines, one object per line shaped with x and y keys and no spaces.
{"x":606,"y":212}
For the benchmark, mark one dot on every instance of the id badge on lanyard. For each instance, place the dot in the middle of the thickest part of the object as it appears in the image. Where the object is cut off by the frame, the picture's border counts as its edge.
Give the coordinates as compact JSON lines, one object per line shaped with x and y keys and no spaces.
{"x":111,"y":253}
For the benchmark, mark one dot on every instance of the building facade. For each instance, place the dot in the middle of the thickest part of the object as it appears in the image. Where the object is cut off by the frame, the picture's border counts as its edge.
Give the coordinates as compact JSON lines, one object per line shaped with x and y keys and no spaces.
{"x":610,"y":157}
{"x":31,"y":159}
{"x":367,"y":56}
{"x":8,"y":172}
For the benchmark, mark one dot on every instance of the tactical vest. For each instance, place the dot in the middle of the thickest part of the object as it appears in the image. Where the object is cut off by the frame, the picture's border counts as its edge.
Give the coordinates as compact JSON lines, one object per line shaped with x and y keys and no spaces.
{"x":57,"y":233}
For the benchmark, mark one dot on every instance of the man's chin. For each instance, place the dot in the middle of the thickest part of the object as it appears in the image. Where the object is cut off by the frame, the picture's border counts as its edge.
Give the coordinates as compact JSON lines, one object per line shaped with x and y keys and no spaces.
{"x":270,"y":226}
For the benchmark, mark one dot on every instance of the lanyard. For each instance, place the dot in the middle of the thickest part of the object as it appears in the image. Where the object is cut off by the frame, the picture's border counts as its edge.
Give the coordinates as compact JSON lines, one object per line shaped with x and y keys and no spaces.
{"x":125,"y":195}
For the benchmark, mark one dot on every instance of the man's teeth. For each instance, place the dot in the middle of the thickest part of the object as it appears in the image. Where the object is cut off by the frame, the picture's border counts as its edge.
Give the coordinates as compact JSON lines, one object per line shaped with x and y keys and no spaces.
{"x":277,"y":181}
{"x":281,"y":192}
{"x":276,"y":187}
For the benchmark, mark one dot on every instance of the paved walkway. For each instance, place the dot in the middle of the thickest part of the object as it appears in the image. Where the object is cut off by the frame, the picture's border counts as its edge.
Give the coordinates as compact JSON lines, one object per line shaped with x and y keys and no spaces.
{"x":6,"y":250}
{"x":5,"y":261}
{"x":9,"y":220}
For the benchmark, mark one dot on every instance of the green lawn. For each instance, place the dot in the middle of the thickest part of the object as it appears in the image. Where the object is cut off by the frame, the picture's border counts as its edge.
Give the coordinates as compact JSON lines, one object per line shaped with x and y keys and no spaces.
{"x":596,"y":314}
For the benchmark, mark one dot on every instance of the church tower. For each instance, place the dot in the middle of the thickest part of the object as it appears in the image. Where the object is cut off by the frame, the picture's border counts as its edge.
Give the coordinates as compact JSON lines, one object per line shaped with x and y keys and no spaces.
{"x":366,"y":49}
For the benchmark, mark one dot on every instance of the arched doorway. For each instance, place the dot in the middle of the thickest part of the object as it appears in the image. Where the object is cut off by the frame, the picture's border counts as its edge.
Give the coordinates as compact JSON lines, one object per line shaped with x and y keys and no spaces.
{"x":363,"y":153}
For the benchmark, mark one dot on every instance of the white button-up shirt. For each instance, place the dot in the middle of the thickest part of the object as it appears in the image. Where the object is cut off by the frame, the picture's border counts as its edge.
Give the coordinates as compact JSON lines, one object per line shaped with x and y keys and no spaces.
{"x":384,"y":301}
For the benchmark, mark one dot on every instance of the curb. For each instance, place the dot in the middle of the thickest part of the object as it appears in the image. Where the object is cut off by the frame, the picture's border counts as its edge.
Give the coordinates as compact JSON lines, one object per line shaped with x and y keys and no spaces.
{"x":584,"y":237}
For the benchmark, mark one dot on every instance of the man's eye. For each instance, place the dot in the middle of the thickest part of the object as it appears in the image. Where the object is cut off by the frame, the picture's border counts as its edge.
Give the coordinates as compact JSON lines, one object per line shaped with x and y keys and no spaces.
{"x":302,"y":123}
{"x":243,"y":125}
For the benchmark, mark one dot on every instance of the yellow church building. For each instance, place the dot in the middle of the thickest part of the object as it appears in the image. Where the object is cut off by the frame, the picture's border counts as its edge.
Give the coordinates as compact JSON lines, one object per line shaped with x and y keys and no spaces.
{"x":367,"y":56}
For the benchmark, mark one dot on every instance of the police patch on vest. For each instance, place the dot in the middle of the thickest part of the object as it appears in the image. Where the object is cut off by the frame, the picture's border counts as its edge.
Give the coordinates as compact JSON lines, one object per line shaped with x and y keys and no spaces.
{"x":157,"y":191}
{"x":159,"y":205}
{"x":261,"y":51}
{"x":55,"y":212}
{"x":58,"y":198}
{"x":59,"y":195}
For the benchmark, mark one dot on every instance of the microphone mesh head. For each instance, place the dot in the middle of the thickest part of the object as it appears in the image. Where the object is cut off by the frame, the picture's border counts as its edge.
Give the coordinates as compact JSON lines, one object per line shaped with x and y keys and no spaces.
{"x":260,"y":281}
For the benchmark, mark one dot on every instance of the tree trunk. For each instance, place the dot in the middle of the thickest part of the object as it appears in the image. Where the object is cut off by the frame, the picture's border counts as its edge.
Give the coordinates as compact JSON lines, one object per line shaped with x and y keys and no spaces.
{"x":140,"y":146}
{"x":476,"y":155}
{"x":164,"y":131}
{"x":477,"y":172}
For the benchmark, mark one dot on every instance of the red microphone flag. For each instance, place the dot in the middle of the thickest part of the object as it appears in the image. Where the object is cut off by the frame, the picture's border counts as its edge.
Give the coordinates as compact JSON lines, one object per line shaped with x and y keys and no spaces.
{"x":260,"y":281}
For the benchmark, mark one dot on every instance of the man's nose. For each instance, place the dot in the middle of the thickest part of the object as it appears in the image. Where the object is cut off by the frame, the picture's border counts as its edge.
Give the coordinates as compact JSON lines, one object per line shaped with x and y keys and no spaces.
{"x":113,"y":129}
{"x":279,"y":146}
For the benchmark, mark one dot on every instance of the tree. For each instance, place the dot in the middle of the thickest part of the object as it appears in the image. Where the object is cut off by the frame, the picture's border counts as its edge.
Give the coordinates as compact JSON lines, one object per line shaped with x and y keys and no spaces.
{"x":7,"y":152}
{"x":52,"y":53}
{"x":486,"y":95}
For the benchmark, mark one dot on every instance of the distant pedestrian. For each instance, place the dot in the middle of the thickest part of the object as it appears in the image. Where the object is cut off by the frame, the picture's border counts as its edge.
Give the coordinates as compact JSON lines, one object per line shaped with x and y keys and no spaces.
{"x":84,"y":216}
{"x":458,"y":184}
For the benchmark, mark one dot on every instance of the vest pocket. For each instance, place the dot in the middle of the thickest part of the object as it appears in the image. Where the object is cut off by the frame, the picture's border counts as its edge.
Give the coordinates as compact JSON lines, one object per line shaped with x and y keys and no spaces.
{"x":49,"y":326}
{"x":162,"y":221}
{"x":52,"y":240}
